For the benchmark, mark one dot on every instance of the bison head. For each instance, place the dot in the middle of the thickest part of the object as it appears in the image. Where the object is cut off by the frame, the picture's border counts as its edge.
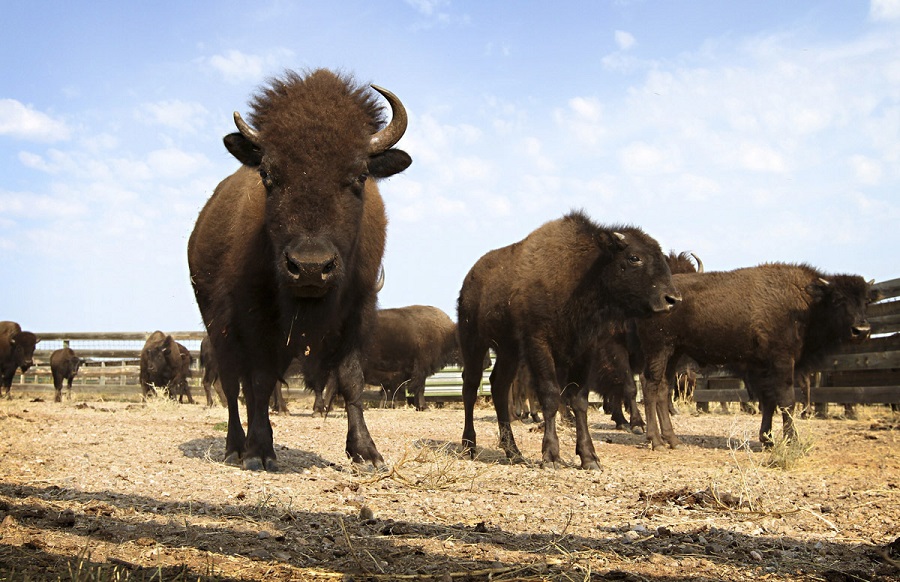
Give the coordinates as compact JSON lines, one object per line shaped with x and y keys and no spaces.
{"x":23,"y":344}
{"x":839,"y":307}
{"x":318,"y":147}
{"x":162,"y":357}
{"x":640,"y":281}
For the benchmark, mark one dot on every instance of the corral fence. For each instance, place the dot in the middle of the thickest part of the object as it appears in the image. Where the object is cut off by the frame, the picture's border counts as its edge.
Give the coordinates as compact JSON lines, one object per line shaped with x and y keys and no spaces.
{"x":111,"y":366}
{"x":864,"y":372}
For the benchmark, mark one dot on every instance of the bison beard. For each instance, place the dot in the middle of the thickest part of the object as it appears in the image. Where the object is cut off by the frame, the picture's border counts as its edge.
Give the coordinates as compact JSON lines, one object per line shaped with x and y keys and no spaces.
{"x":768,"y":322}
{"x":543,"y":300}
{"x":285,"y":256}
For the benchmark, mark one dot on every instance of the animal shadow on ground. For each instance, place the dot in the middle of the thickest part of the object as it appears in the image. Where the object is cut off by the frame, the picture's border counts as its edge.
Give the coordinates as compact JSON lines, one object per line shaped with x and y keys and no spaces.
{"x":289,"y":460}
{"x":109,"y":516}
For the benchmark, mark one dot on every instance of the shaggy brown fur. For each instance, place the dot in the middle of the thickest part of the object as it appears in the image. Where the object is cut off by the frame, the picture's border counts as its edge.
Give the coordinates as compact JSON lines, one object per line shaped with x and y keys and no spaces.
{"x":768,"y":321}
{"x":285,"y":256}
{"x":545,"y":299}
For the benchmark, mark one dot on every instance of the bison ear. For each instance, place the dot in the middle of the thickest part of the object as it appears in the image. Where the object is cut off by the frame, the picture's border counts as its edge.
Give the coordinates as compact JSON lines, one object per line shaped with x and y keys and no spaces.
{"x":618,"y":239}
{"x":388,"y":163}
{"x":818,"y":288}
{"x":243,"y":149}
{"x":875,"y":295}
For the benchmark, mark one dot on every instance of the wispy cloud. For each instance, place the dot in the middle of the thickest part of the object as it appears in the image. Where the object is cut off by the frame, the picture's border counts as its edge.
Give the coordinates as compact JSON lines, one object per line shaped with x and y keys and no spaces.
{"x":884,"y":9}
{"x":24,"y":122}
{"x":181,"y":115}
{"x":239,"y":67}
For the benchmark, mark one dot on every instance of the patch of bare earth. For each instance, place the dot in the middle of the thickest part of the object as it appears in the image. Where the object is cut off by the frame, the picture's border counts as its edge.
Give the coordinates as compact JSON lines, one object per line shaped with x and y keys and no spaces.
{"x":94,"y":490}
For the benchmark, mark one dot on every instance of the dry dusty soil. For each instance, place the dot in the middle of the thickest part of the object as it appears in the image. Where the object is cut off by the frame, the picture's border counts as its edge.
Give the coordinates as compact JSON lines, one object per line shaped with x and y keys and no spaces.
{"x":98,"y":490}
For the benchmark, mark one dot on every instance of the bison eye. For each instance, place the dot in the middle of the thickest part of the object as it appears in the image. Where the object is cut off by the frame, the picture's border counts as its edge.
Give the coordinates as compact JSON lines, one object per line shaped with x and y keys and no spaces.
{"x":266,"y":179}
{"x":635,"y":260}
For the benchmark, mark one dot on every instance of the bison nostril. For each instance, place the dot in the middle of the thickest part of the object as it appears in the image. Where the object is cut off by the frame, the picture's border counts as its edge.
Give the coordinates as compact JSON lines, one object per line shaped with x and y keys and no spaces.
{"x":329,"y":267}
{"x":292,"y":266}
{"x":673,"y":300}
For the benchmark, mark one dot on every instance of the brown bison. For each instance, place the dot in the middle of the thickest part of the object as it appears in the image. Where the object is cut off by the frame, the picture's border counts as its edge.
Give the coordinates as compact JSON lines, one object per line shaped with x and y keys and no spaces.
{"x":544,"y":300}
{"x":769,"y":322}
{"x":406,"y":345}
{"x":285,"y":255}
{"x":64,"y":365}
{"x":16,"y":351}
{"x":165,"y":364}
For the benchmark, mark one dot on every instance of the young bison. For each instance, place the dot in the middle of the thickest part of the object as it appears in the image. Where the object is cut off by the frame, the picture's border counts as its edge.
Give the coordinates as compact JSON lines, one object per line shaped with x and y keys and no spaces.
{"x":544,"y":300}
{"x":769,"y":322}
{"x":64,"y":366}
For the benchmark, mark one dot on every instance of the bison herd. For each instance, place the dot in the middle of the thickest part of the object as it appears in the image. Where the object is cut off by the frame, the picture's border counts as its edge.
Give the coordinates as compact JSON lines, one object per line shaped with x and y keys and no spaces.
{"x":286,"y":262}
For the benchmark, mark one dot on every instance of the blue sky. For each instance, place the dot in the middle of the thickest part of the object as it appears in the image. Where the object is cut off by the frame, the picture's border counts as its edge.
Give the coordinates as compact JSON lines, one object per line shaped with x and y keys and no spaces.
{"x":745,"y":132}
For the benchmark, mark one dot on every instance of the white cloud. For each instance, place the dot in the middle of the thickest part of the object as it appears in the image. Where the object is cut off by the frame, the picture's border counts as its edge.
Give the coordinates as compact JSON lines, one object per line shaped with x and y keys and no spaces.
{"x":181,"y":115}
{"x":624,"y":40}
{"x":236,"y":66}
{"x":884,"y":9}
{"x":23,"y":121}
{"x":428,"y":7}
{"x":760,"y":158}
{"x":867,"y":170}
{"x":643,"y":158}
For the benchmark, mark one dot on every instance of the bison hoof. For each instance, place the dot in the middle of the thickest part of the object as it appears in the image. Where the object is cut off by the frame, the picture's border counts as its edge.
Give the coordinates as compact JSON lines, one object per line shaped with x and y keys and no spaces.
{"x":551,"y":465}
{"x":233,"y":458}
{"x":258,"y":464}
{"x":637,"y":430}
{"x":591,"y":465}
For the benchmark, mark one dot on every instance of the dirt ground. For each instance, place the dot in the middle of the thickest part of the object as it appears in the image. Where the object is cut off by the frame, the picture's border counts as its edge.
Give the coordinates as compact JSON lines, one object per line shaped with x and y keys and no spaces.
{"x":98,"y":490}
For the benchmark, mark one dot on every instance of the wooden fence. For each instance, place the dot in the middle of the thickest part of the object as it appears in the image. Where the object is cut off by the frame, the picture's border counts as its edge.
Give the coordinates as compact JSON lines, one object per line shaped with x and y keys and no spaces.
{"x":866,"y":372}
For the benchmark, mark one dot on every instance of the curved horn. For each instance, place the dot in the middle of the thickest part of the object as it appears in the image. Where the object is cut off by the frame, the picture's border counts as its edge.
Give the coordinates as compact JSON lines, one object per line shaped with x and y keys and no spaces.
{"x":379,"y":284}
{"x":245,"y":129}
{"x":619,"y":235}
{"x":390,"y":135}
{"x":699,"y":263}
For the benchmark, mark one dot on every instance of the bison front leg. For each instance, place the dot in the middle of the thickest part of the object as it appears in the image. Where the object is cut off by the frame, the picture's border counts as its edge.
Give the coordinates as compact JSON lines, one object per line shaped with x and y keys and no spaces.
{"x":259,"y":449}
{"x":350,"y":382}
{"x":416,"y":387}
{"x":584,"y":446}
{"x":501,"y":382}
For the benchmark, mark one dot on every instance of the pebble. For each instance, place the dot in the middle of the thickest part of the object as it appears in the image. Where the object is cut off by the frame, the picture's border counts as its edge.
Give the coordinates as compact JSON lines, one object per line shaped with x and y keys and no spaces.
{"x":366,"y":513}
{"x":756,"y":556}
{"x":263,"y":535}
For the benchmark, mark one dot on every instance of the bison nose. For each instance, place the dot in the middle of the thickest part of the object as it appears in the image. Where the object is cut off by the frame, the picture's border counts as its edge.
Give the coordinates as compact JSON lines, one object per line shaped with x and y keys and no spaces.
{"x":670,"y":301}
{"x":861,"y":331}
{"x":311,"y":269}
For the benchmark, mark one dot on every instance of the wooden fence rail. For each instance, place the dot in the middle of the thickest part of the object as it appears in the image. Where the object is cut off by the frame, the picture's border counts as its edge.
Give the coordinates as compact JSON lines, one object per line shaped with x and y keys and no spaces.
{"x":866,"y":372}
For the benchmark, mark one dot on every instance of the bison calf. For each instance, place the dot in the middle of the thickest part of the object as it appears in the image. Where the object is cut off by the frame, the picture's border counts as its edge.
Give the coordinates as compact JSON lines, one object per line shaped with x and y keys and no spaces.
{"x":769,"y":322}
{"x":64,"y":365}
{"x":544,"y":300}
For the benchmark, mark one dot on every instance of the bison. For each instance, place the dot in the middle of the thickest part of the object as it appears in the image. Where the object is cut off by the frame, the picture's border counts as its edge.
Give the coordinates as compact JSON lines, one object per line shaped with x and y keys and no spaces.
{"x":285,"y":255}
{"x":406,"y":346}
{"x":769,"y":322}
{"x":165,"y":364}
{"x":544,"y":300}
{"x":16,"y":351}
{"x":64,"y":365}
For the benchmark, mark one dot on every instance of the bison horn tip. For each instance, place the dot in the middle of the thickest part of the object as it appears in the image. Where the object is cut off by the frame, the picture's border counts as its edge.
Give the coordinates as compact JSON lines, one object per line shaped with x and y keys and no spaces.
{"x":244,"y":128}
{"x":619,"y":235}
{"x":390,"y":135}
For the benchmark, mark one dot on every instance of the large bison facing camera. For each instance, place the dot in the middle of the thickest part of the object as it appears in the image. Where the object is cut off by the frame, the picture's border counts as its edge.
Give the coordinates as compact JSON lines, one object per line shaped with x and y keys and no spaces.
{"x":285,"y":256}
{"x":545,"y":299}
